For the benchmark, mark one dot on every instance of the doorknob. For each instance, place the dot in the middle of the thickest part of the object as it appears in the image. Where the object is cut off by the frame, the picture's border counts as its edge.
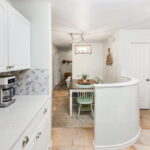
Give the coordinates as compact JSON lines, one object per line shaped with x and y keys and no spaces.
{"x":147,"y":80}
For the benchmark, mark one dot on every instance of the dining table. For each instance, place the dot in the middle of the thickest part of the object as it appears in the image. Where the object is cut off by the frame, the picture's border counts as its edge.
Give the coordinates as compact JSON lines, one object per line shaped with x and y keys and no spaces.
{"x":73,"y":89}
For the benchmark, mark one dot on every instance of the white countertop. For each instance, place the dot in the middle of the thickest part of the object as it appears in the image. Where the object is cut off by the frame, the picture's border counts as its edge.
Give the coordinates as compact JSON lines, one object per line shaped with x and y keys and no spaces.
{"x":15,"y":118}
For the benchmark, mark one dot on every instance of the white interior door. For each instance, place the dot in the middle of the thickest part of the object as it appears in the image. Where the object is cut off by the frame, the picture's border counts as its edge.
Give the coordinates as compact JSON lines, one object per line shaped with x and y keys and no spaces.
{"x":139,"y":67}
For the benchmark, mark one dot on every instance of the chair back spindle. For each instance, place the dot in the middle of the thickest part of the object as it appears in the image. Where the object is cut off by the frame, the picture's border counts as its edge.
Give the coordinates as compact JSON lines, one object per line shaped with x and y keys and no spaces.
{"x":83,"y":91}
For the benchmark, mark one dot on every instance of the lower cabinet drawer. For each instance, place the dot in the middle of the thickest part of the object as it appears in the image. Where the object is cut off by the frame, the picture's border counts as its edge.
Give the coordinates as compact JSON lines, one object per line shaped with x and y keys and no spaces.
{"x":40,"y":140}
{"x":42,"y":135}
{"x":28,"y":136}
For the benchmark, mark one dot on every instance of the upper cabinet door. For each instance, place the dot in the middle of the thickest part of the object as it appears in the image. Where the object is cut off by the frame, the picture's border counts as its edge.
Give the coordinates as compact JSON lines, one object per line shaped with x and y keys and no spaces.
{"x":19,"y":40}
{"x":3,"y":36}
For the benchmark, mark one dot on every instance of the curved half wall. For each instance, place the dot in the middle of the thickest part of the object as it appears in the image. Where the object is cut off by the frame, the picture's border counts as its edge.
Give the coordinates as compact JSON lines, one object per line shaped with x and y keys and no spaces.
{"x":116,"y":114}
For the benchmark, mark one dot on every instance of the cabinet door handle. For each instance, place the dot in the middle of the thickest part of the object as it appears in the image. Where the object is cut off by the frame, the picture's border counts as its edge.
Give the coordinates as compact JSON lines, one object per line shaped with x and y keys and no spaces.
{"x":38,"y":135}
{"x":45,"y":110}
{"x":25,"y":141}
{"x":147,"y":80}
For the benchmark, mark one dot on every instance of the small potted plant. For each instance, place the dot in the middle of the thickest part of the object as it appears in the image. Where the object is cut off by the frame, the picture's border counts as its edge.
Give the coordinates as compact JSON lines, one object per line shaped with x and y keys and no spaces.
{"x":84,"y":77}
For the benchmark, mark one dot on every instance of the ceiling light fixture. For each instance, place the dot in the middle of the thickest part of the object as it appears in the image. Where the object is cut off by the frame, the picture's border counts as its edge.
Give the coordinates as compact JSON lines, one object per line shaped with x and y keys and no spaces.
{"x":77,"y":37}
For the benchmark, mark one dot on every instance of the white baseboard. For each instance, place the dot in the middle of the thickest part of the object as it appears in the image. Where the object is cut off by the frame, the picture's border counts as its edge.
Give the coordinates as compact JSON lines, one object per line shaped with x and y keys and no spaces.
{"x":118,"y":146}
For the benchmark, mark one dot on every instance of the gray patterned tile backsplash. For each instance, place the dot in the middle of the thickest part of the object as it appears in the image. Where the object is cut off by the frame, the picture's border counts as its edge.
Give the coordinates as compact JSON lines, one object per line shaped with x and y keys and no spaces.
{"x":33,"y":82}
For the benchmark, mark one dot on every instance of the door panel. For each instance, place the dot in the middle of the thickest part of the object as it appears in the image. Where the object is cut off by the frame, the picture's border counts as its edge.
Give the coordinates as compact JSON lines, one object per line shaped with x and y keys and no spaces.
{"x":139,"y":67}
{"x":3,"y":37}
{"x":19,"y":40}
{"x":43,"y":140}
{"x":32,"y":146}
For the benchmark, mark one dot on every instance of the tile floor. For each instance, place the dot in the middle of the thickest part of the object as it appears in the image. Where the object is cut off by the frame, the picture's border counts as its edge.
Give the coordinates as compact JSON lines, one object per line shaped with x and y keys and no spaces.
{"x":60,"y":116}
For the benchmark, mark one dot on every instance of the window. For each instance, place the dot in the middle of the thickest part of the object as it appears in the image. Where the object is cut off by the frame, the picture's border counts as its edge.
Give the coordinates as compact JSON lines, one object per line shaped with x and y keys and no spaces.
{"x":83,"y":49}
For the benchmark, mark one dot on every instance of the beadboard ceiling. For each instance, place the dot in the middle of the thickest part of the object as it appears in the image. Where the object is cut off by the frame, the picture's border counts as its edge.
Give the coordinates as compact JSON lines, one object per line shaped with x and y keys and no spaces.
{"x":97,"y":19}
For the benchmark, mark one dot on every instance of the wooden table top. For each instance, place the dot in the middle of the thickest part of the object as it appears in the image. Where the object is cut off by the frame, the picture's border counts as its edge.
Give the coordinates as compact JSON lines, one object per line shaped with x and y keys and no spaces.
{"x":75,"y":81}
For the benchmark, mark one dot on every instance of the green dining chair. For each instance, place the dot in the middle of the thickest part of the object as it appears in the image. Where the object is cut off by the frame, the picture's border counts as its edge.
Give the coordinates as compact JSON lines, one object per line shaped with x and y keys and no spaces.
{"x":85,"y":97}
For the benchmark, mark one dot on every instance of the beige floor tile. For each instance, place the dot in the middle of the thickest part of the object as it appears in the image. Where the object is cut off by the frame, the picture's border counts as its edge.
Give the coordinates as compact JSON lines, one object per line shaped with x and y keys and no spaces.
{"x":67,"y":148}
{"x":144,"y":137}
{"x":145,"y":119}
{"x":61,"y":137}
{"x":142,"y":147}
{"x":72,"y":136}
{"x":130,"y":148}
{"x":83,"y":136}
{"x":72,"y":148}
{"x":138,"y":147}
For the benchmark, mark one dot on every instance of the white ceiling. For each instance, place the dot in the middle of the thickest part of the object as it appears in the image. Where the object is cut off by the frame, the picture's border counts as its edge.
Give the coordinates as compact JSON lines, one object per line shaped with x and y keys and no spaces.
{"x":97,"y":19}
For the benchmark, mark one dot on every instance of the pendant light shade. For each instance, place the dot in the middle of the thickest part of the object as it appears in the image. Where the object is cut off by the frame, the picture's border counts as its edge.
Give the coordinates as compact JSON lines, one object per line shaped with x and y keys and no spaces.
{"x":77,"y":37}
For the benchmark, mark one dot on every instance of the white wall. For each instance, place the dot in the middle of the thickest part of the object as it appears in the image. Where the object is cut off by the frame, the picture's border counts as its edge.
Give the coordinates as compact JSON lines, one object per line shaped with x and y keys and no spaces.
{"x":112,"y":73}
{"x":91,"y":64}
{"x":56,"y":67}
{"x":39,"y":13}
{"x":65,"y":55}
{"x":119,"y":43}
{"x":128,"y":37}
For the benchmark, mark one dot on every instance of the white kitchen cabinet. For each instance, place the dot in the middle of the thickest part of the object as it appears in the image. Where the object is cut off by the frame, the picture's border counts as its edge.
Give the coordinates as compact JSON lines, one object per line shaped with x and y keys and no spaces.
{"x":15,"y":39}
{"x":19,"y":40}
{"x":3,"y":36}
{"x":40,"y":140}
{"x":32,"y":145}
{"x":42,"y":136}
{"x":37,"y":134}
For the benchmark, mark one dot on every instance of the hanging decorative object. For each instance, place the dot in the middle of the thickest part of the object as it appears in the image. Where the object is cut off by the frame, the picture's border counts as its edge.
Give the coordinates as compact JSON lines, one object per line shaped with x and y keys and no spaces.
{"x":66,"y":61}
{"x":109,"y":58}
